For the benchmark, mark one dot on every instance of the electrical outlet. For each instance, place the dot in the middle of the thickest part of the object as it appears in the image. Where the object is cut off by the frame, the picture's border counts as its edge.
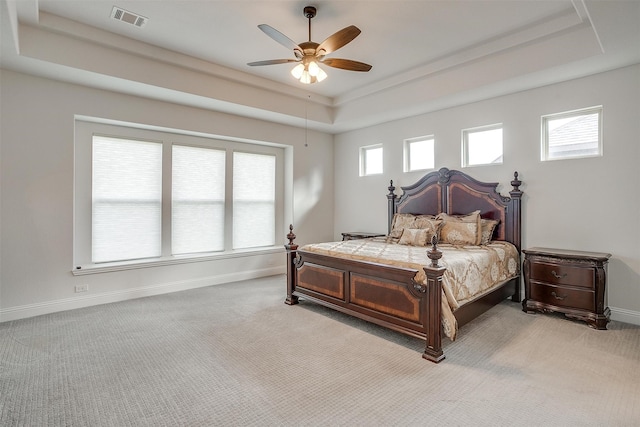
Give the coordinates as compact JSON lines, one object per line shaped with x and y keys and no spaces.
{"x":82,"y":288}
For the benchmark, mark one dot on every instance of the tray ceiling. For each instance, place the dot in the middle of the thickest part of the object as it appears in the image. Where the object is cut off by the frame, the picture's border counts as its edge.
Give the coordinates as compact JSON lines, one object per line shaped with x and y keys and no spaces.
{"x":425,"y":54}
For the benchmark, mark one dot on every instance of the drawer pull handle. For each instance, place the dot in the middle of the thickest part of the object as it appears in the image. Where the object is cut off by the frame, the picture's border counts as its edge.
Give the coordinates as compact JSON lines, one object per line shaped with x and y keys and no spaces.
{"x":556,"y":296}
{"x":558,"y":276}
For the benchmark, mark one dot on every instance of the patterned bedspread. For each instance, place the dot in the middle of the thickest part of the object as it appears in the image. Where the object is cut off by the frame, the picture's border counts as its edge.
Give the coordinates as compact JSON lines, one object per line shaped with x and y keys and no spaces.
{"x":471,"y":270}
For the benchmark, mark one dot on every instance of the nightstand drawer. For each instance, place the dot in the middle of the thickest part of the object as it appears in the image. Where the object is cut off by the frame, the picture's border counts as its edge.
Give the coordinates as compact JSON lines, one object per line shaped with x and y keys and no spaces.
{"x":563,"y":274}
{"x":563,"y":297}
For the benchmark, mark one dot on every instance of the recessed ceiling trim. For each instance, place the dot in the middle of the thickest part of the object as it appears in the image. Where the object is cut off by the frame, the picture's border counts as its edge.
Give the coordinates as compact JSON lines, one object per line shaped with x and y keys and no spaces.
{"x":120,"y":14}
{"x":583,"y":12}
{"x":551,"y":26}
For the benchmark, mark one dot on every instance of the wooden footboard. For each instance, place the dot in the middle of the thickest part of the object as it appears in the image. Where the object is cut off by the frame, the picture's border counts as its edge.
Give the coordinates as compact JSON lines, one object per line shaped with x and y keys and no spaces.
{"x":385,"y":295}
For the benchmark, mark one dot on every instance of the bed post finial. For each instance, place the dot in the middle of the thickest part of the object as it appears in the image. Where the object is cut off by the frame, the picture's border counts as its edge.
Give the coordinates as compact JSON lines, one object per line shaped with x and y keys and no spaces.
{"x":391,"y":201}
{"x":516,"y":183}
{"x":291,"y":236}
{"x":434,"y":254}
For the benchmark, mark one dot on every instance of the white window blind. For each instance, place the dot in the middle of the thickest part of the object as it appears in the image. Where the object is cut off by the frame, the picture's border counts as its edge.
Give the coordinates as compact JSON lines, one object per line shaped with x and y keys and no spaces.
{"x":146,"y":197}
{"x":126,"y":199}
{"x":254,"y":199}
{"x":197,"y":207}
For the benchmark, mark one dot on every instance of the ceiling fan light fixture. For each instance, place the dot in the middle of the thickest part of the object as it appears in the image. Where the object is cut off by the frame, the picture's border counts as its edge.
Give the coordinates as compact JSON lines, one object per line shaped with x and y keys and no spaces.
{"x":313,"y":68}
{"x":307,"y":78}
{"x":321,"y":75}
{"x":297,"y":71}
{"x":309,"y":72}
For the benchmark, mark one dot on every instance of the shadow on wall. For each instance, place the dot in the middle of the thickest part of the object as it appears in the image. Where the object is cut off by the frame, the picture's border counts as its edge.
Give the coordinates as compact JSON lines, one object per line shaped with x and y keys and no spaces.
{"x":306,"y":195}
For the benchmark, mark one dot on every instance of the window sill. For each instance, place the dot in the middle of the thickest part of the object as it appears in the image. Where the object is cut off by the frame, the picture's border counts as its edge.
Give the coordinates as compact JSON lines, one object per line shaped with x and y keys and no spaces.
{"x":159,"y":262}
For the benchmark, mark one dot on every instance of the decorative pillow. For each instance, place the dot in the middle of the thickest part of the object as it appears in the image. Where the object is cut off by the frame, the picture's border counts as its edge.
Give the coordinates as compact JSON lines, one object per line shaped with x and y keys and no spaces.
{"x":460,"y":229}
{"x":400,"y":222}
{"x":424,"y":221}
{"x":429,"y":223}
{"x":487,"y":226}
{"x":414,"y":237}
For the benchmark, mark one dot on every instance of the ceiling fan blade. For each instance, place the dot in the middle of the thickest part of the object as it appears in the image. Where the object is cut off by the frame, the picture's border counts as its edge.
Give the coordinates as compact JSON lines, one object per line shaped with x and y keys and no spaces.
{"x":279,"y":37}
{"x":337,"y":40}
{"x":272,"y":62}
{"x":346,"y":64}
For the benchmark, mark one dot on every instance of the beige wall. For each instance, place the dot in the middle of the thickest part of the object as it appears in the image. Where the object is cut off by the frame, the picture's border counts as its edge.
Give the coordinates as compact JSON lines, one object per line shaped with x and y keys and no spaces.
{"x":36,"y":217}
{"x":585,"y":204}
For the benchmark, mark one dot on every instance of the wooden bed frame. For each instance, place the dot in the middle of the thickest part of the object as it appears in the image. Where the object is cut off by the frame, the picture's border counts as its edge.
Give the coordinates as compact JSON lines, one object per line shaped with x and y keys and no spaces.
{"x":388,"y":295}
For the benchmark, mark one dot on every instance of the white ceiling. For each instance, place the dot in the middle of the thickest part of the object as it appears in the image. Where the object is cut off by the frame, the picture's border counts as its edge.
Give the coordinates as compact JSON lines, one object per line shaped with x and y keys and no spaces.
{"x":425,"y":54}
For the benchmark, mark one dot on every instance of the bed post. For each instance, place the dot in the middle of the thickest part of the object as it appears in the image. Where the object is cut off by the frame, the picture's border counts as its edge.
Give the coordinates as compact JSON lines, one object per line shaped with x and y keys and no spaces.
{"x":516,"y":197}
{"x":291,"y":268}
{"x":391,"y":201}
{"x":433,"y":300}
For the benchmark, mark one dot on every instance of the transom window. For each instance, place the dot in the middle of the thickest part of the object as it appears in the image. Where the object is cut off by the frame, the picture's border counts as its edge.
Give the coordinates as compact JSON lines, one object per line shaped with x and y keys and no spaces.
{"x":482,"y":145}
{"x":419,"y":153}
{"x":573,"y":134}
{"x":371,"y":160}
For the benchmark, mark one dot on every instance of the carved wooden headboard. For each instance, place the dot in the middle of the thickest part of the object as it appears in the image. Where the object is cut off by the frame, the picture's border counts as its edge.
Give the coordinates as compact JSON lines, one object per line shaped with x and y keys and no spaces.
{"x":456,"y":193}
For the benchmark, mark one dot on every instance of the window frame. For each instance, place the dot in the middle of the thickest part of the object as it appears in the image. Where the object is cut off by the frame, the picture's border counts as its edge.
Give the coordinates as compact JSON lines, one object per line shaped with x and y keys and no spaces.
{"x":479,"y":129}
{"x":86,"y":127}
{"x":544,"y":132}
{"x":363,"y":159}
{"x":407,"y":152}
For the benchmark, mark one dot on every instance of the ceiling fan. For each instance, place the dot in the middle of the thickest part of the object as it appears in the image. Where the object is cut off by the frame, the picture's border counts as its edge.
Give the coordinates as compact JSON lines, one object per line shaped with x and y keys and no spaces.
{"x":310,"y":54}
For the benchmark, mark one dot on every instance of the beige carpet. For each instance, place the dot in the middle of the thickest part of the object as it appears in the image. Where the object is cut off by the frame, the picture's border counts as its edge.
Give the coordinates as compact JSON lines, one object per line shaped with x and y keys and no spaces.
{"x":235,"y":354}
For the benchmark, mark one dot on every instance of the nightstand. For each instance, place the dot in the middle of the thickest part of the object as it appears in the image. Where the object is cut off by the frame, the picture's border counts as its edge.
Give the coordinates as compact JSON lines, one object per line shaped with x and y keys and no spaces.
{"x":353,"y":235}
{"x":569,"y":282}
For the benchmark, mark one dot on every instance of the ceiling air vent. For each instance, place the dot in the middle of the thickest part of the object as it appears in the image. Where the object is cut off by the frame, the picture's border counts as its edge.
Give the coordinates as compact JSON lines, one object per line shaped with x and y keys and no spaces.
{"x":128,"y":17}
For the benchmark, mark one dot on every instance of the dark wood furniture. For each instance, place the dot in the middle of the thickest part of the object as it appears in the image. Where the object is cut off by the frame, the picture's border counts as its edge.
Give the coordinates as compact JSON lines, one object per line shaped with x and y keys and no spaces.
{"x":569,"y":282}
{"x":388,"y":295}
{"x":353,"y":235}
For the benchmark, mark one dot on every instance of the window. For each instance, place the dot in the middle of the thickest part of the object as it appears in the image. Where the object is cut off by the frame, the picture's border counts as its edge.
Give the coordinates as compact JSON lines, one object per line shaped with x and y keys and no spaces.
{"x":254,"y":199}
{"x":419,"y":153}
{"x":482,"y":146}
{"x":126,"y":199}
{"x":371,"y":160}
{"x":573,"y":134}
{"x":197,"y":200}
{"x":143,"y":197}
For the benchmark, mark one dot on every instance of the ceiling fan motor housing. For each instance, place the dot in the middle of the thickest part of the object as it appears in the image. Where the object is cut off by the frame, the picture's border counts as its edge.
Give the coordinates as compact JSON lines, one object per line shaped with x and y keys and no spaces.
{"x":309,"y":12}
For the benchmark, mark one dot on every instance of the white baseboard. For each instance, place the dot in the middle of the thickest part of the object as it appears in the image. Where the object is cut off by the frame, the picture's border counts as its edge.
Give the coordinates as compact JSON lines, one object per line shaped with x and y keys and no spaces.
{"x":625,"y":316}
{"x":30,"y":310}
